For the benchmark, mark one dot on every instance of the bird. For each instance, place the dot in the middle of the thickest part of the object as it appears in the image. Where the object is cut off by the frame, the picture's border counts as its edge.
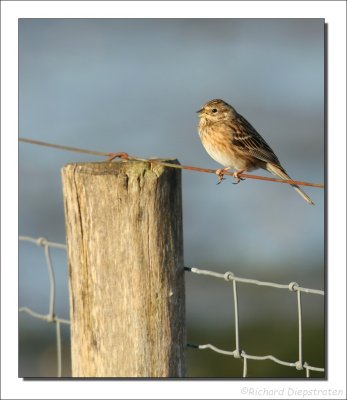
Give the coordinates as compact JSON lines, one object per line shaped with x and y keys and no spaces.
{"x":233,"y":142}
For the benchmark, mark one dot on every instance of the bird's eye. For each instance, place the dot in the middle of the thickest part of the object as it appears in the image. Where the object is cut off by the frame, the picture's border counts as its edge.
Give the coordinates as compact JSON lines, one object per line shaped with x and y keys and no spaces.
{"x":214,"y":110}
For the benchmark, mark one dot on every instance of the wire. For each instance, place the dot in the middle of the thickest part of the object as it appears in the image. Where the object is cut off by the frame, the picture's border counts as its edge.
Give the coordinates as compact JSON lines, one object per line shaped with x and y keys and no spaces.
{"x":126,"y":157}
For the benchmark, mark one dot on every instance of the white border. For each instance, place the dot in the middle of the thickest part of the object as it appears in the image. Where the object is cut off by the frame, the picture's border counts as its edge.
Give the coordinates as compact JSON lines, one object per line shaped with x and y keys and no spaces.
{"x":334,"y":12}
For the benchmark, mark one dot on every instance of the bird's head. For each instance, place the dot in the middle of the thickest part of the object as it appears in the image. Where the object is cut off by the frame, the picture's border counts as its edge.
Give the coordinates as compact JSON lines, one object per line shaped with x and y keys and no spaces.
{"x":216,"y":110}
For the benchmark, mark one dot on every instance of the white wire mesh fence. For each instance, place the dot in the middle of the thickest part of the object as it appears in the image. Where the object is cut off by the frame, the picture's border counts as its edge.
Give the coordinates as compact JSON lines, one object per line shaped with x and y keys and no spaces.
{"x":50,"y":317}
{"x":238,"y":353}
{"x":300,"y":364}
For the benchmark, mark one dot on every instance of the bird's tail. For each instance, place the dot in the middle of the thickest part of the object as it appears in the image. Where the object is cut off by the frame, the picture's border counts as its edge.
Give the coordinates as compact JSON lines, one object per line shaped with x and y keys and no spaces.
{"x":280,"y":172}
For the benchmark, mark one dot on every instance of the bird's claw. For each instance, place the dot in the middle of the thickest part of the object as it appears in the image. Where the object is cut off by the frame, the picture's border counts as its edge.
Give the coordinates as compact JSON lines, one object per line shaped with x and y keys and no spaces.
{"x":220,"y":179}
{"x":237,"y":177}
{"x":220,"y":173}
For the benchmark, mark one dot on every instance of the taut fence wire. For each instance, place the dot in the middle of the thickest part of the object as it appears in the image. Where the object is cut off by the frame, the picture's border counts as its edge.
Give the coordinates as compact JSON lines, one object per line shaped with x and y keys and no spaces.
{"x":126,"y":157}
{"x":229,"y":277}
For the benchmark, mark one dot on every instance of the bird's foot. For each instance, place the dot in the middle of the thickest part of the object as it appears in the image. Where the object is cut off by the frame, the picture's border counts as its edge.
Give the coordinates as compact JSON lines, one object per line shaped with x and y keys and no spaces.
{"x":220,"y":173}
{"x":237,"y":177}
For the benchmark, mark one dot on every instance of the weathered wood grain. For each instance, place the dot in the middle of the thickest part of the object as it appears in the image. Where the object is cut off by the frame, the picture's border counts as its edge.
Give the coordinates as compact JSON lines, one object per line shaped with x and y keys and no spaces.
{"x":126,"y":275}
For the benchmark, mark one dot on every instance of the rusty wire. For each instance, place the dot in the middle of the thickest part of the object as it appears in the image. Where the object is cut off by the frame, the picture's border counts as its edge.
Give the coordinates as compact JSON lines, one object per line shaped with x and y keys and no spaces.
{"x":126,"y":157}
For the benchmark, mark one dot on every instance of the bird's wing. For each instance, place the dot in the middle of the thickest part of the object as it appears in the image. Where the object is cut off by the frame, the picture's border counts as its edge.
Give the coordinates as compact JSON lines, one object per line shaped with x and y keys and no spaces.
{"x":248,"y":140}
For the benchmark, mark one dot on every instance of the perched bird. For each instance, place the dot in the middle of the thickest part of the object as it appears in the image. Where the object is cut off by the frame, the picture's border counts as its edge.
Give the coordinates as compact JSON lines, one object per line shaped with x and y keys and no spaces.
{"x":233,"y":142}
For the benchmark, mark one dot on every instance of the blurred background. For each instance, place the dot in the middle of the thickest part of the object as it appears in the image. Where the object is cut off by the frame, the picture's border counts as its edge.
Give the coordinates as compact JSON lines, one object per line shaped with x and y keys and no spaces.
{"x":134,"y":85}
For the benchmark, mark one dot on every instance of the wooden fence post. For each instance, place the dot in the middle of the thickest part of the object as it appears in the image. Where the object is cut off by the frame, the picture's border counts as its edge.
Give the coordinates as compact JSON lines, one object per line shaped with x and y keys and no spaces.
{"x":126,"y":275}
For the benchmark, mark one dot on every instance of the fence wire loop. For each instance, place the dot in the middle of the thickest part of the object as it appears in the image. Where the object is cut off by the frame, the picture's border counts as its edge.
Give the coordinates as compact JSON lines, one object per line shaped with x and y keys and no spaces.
{"x":293,"y":286}
{"x":298,"y":365}
{"x":41,"y":241}
{"x":237,"y":354}
{"x":121,"y":155}
{"x":228,"y":276}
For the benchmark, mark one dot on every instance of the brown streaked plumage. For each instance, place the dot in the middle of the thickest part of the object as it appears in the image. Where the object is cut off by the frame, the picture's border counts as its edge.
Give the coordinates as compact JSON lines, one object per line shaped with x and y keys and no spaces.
{"x":233,"y":142}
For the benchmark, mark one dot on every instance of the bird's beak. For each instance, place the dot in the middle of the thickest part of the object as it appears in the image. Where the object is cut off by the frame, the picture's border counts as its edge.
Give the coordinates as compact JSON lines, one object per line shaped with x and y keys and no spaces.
{"x":199,"y":111}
